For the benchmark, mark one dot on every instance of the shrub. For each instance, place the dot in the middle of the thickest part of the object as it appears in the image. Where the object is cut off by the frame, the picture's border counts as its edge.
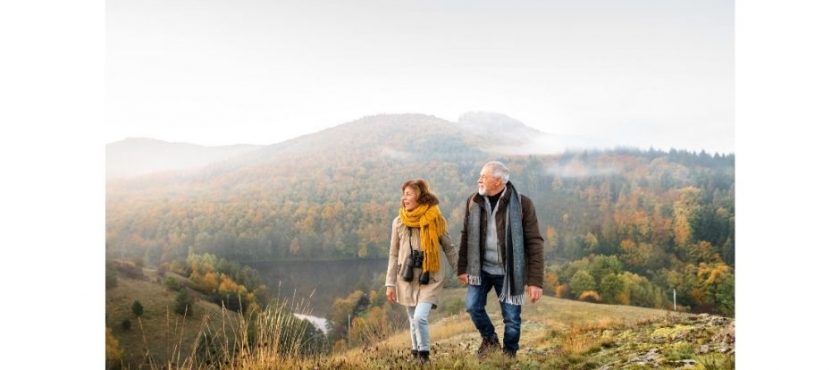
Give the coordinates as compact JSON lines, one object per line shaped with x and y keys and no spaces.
{"x":137,"y":308}
{"x":172,"y":284}
{"x":126,"y":324}
{"x":581,"y":282}
{"x":612,"y":286}
{"x":183,"y":303}
{"x":590,"y":296}
{"x":128,"y":269}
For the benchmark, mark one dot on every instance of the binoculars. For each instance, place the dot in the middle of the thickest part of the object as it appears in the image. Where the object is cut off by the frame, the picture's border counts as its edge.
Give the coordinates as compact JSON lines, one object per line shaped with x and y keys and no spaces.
{"x":414,"y":260}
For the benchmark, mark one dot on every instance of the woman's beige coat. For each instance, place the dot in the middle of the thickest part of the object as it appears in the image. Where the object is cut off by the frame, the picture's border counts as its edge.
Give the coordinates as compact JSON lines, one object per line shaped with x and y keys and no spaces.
{"x":411,"y":293}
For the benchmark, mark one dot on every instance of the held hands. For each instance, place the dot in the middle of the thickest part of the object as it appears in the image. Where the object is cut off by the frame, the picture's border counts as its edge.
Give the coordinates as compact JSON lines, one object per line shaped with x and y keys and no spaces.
{"x":391,"y":293}
{"x":463,"y":279}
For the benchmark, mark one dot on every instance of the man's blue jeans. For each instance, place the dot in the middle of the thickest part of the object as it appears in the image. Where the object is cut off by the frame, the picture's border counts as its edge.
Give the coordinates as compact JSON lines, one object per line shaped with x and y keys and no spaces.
{"x":477,"y":300}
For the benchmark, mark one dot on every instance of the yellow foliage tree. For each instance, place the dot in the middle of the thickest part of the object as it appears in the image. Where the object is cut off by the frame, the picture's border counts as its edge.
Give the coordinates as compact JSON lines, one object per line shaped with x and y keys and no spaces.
{"x":206,"y":282}
{"x":551,"y":281}
{"x":550,"y":239}
{"x":710,"y":274}
{"x":682,"y":229}
{"x":589,"y":296}
{"x":561,"y":290}
{"x":228,"y":286}
{"x":113,"y":352}
{"x":683,"y":209}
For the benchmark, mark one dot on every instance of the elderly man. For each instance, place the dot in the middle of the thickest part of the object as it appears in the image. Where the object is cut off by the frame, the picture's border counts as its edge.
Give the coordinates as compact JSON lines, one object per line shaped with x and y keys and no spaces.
{"x":501,"y":249}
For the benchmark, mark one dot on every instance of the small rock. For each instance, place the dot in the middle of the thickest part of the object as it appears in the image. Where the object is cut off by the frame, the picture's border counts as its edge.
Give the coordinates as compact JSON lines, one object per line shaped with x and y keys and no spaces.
{"x":685,"y":364}
{"x":653,"y":356}
{"x":658,"y":340}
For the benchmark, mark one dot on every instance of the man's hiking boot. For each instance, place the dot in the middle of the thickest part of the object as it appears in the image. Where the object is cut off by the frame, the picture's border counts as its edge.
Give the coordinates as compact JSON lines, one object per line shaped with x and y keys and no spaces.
{"x":509,"y":354}
{"x":414,"y":354}
{"x":488,"y":345}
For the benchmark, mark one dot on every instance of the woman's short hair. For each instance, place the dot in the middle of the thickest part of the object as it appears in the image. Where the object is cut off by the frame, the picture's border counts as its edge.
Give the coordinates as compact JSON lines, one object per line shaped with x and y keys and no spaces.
{"x":426,"y":196}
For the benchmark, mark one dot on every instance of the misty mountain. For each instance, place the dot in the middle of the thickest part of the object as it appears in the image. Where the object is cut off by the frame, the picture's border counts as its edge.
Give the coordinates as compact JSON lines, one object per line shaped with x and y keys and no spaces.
{"x":333,"y":193}
{"x":140,"y":156}
{"x":666,"y":218}
{"x":506,"y":135}
{"x":406,"y":145}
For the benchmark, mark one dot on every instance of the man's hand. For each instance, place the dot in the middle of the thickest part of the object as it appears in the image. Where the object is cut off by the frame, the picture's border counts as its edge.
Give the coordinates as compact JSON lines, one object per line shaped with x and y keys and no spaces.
{"x":463,"y":279}
{"x":535,"y":293}
{"x":391,"y":293}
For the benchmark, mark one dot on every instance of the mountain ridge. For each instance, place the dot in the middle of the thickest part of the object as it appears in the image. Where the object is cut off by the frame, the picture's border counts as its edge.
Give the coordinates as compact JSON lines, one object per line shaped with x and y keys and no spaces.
{"x":489,"y":132}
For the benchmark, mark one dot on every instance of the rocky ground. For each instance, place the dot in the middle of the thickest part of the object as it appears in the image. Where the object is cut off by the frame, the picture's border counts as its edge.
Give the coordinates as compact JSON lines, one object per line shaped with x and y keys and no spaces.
{"x":630,"y":339}
{"x":689,"y":342}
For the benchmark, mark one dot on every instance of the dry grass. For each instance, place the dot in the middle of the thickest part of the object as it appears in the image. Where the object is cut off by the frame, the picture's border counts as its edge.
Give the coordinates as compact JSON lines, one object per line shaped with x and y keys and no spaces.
{"x":160,"y":332}
{"x":270,"y":339}
{"x":555,"y":334}
{"x":586,"y":337}
{"x":209,"y":338}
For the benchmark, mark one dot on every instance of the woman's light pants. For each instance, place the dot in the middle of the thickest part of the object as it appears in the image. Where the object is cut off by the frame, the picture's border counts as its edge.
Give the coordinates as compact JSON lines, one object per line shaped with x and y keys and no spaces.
{"x":418,"y":319}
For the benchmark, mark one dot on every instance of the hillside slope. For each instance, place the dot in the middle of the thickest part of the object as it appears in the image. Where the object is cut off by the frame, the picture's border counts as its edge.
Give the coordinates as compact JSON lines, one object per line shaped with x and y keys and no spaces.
{"x":336,"y":191}
{"x":159,"y":333}
{"x":556,"y":334}
{"x":559,"y":333}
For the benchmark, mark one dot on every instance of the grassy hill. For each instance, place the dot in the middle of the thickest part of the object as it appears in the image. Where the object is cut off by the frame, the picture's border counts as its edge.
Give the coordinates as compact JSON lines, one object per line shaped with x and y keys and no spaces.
{"x":559,"y":333}
{"x":159,"y":335}
{"x":556,"y":334}
{"x":209,"y":337}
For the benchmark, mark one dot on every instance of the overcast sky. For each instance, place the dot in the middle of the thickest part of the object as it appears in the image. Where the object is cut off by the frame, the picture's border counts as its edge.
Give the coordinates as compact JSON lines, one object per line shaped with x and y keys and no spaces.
{"x":631,"y":73}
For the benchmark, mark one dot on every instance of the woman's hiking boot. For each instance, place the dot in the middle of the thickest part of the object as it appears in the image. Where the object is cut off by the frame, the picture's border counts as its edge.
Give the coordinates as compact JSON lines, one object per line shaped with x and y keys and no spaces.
{"x":423,"y":357}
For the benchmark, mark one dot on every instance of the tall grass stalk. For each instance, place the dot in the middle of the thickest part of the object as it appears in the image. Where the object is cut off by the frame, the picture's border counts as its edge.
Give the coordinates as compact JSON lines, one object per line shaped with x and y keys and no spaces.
{"x":270,"y":338}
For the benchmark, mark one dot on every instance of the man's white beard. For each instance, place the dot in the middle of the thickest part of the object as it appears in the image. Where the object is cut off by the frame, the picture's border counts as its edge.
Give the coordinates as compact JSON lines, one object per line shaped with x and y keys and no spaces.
{"x":482,"y":190}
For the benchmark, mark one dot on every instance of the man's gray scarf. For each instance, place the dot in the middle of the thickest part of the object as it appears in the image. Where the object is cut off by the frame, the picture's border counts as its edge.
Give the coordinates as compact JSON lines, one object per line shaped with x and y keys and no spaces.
{"x":513,"y":288}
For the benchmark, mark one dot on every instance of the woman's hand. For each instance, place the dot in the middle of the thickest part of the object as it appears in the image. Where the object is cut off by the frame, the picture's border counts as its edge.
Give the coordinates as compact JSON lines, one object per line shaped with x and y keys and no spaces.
{"x":391,"y":293}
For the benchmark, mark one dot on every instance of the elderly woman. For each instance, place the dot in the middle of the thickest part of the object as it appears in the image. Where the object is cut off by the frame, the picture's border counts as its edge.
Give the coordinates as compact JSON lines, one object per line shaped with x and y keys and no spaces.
{"x":415,"y":274}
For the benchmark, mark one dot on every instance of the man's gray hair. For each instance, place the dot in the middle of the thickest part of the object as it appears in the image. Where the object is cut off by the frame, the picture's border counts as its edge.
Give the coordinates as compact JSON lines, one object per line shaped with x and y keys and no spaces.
{"x":499,"y":170}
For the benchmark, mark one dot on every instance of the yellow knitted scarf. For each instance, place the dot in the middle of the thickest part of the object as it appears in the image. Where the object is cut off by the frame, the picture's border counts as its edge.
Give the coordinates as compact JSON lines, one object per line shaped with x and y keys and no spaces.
{"x":432,"y":225}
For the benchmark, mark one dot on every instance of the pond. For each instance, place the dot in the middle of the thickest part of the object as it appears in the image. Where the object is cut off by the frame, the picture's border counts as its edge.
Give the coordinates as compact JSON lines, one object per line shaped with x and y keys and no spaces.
{"x":319,"y":283}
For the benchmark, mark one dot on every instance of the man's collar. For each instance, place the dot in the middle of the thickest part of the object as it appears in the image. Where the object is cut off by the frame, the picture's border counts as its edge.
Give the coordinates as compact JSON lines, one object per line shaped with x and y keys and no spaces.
{"x":501,"y":193}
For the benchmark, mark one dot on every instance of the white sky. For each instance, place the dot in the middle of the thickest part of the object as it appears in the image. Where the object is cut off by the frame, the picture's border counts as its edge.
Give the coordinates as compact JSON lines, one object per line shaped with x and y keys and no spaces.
{"x":640,"y":73}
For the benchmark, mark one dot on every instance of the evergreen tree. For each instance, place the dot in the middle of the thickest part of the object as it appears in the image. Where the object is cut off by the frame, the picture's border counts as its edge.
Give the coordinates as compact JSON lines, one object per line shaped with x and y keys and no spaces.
{"x":137,"y":308}
{"x":183,"y":302}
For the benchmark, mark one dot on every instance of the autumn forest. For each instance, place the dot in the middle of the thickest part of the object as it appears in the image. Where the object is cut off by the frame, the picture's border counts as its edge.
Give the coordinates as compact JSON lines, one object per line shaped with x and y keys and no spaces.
{"x":621,"y":226}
